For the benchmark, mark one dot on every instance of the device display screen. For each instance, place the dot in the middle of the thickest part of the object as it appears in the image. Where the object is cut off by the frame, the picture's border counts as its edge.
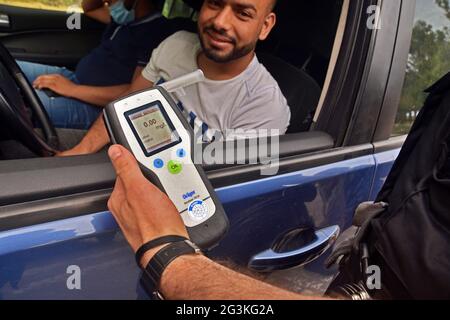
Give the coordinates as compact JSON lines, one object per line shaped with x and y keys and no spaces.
{"x":153,"y":128}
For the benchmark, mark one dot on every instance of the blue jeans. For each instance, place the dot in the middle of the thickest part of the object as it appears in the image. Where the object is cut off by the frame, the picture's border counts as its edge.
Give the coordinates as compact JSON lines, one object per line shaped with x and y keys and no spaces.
{"x":63,"y":112}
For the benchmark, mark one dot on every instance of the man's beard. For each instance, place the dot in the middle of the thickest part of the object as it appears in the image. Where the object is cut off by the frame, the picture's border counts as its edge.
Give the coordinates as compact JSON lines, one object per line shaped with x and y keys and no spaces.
{"x":234,"y":54}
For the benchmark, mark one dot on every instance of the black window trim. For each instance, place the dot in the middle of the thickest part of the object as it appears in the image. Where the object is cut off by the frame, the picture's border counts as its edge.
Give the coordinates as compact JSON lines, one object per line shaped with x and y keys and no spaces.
{"x":391,"y":101}
{"x":349,"y":73}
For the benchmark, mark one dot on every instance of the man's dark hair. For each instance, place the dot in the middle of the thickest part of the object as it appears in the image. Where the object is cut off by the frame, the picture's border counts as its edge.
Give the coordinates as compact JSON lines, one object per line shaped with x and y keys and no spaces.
{"x":274,"y":4}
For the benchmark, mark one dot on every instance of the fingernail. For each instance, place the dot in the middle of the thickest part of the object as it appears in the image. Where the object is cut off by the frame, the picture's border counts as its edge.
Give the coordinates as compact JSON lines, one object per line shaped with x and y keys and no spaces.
{"x":114,"y":152}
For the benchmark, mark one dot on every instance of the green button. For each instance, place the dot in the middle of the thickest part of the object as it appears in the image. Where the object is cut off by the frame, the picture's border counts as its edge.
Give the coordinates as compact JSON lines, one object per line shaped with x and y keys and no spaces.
{"x":174,"y":167}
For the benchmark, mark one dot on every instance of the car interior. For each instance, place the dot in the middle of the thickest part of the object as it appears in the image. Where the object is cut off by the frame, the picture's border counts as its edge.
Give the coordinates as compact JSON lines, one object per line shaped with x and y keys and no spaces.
{"x":297,"y":54}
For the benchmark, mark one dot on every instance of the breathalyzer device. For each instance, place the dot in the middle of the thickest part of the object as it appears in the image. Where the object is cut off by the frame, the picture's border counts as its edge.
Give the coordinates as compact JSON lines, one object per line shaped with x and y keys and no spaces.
{"x":152,"y":127}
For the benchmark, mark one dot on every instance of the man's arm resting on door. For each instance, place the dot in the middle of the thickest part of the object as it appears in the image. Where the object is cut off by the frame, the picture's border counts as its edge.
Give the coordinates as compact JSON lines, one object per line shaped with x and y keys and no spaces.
{"x":97,"y":136}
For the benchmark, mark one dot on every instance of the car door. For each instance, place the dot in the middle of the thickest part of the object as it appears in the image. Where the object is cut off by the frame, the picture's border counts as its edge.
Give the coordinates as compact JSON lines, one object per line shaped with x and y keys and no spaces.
{"x":53,"y":35}
{"x":58,"y":240}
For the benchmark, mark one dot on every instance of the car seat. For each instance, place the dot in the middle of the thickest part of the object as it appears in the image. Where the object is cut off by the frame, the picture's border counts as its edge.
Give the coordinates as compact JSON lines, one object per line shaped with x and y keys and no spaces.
{"x":300,"y":90}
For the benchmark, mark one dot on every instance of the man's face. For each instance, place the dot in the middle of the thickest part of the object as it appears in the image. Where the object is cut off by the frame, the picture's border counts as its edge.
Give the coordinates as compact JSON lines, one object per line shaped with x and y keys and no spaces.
{"x":230,"y":29}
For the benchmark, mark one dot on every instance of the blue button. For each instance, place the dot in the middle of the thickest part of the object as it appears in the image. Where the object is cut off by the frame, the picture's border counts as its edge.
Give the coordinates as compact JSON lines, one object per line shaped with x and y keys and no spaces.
{"x":158,"y":163}
{"x":181,"y":153}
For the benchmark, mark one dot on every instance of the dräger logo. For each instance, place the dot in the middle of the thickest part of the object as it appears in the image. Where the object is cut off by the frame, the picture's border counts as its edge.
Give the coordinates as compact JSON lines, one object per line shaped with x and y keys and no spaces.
{"x":188,"y":195}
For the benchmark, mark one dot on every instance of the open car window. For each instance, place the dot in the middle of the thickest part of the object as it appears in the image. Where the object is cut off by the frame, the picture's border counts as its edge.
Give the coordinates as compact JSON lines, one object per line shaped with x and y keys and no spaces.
{"x":301,"y":62}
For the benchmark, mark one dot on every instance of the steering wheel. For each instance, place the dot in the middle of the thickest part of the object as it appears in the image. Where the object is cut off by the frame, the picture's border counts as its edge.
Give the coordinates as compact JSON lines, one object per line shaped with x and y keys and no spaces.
{"x":19,"y":103}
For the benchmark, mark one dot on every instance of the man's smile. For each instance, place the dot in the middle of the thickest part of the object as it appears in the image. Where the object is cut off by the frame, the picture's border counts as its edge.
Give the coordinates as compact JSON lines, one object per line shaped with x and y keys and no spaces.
{"x":217,"y":40}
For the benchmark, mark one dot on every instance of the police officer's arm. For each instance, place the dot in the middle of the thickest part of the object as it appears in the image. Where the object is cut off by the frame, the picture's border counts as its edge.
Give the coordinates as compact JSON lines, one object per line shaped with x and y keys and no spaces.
{"x":97,"y":136}
{"x":97,"y":9}
{"x":144,"y":213}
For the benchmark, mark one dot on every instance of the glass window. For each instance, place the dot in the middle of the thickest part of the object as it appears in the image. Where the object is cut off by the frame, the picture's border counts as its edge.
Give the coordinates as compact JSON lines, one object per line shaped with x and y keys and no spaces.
{"x":429,"y":59}
{"x":59,"y":5}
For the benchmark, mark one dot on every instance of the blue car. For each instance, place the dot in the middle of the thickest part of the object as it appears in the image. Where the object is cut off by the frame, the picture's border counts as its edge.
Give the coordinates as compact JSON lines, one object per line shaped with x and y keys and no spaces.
{"x":352,"y":74}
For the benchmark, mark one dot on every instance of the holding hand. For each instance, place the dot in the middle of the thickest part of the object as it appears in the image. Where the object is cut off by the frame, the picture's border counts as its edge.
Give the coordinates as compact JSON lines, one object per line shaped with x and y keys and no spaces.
{"x":142,"y":211}
{"x":55,"y":82}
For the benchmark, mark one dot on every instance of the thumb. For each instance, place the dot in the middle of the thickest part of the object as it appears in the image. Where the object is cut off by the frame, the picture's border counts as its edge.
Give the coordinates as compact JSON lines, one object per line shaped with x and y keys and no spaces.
{"x":125,"y":165}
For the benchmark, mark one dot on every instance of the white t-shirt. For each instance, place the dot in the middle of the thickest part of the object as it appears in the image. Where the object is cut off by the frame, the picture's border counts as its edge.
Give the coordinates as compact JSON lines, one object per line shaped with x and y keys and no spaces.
{"x":251,"y":100}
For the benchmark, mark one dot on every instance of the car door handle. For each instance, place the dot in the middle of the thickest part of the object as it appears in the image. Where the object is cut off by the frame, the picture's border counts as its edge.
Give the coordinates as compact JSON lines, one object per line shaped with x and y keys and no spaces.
{"x":269,"y":260}
{"x":4,"y":21}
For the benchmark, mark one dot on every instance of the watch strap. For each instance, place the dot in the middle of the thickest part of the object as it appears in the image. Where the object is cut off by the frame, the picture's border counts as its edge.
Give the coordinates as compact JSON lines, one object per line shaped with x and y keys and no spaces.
{"x":155,"y":243}
{"x":164,"y":257}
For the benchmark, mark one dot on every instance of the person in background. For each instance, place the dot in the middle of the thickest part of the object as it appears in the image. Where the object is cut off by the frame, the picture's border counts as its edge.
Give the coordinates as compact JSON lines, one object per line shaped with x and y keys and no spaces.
{"x":133,"y":29}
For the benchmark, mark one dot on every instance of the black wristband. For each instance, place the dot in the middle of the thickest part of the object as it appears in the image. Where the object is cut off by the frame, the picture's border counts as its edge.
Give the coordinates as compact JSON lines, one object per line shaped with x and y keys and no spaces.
{"x":155,"y":243}
{"x":155,"y":268}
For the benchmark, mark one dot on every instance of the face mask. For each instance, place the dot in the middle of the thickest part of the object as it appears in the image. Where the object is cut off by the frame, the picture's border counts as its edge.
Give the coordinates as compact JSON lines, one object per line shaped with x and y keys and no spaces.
{"x":120,"y":14}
